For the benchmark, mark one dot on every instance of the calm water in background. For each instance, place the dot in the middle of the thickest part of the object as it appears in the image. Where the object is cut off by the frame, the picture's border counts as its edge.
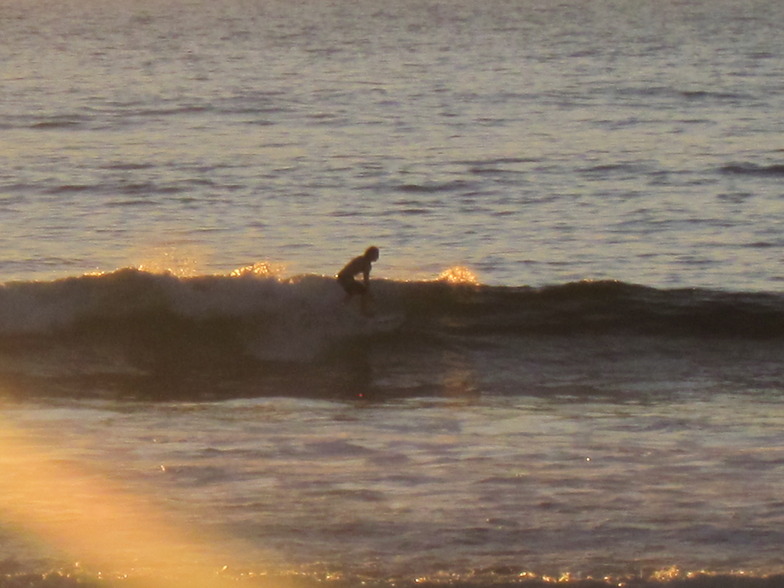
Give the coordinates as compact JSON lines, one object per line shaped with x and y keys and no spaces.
{"x":533,"y":142}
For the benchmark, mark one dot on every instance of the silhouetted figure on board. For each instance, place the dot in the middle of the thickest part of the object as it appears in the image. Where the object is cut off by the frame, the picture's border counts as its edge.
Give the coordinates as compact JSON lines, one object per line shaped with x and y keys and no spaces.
{"x":346,"y":278}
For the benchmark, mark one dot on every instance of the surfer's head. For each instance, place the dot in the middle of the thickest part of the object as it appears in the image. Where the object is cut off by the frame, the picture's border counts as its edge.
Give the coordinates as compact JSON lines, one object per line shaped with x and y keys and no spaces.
{"x":371,"y":253}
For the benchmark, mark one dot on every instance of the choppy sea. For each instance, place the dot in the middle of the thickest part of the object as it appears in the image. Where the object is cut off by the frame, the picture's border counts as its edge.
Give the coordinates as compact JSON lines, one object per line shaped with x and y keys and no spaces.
{"x":574,"y":375}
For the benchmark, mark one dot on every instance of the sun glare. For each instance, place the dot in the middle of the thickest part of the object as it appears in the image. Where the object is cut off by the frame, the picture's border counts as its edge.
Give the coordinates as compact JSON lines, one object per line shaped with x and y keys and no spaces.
{"x":458,"y":275}
{"x":110,"y":531}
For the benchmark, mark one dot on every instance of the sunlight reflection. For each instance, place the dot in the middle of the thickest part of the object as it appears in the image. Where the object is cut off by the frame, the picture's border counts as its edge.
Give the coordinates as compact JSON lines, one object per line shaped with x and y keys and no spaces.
{"x":458,"y":275}
{"x":183,"y":260}
{"x":110,"y":531}
{"x":459,"y":378}
{"x":261,"y":269}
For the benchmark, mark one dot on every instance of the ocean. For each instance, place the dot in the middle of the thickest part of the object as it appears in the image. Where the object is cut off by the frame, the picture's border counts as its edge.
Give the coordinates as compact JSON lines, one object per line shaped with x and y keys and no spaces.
{"x":573,"y":374}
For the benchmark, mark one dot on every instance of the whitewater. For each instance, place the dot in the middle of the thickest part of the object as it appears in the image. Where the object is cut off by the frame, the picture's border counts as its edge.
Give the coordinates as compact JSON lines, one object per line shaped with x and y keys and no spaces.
{"x":574,"y":374}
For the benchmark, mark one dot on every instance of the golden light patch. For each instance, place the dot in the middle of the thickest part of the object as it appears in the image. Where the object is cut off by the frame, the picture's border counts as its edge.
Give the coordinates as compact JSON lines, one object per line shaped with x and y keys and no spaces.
{"x":110,"y":531}
{"x":183,"y":260}
{"x":261,"y":269}
{"x":458,"y":275}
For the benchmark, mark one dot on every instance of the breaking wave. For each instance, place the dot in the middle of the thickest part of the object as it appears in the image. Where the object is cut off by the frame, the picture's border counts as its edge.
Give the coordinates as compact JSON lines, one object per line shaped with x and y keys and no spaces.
{"x":134,"y":324}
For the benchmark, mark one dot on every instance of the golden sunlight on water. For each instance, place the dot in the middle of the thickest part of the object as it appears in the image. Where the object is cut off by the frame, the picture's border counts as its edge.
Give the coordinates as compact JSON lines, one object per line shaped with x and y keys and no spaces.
{"x":183,"y":260}
{"x":108,"y":530}
{"x":458,"y":275}
{"x":261,"y":269}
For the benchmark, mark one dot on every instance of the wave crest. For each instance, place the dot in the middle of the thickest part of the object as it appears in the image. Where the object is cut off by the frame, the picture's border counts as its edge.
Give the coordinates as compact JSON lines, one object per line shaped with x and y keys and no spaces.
{"x":255,"y":326}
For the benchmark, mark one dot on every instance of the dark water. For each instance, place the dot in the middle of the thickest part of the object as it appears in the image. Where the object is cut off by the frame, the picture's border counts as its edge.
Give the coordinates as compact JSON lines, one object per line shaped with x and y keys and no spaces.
{"x":159,"y":337}
{"x":470,"y":435}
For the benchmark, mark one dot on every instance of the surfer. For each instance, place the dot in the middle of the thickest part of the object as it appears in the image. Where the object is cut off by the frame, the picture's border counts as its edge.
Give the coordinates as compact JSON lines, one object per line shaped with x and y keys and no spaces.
{"x":359,"y":265}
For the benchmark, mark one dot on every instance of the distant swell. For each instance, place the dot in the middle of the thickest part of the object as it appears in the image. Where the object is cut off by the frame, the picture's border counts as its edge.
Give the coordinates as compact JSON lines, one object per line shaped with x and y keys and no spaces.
{"x":751,"y":169}
{"x":434,"y":187}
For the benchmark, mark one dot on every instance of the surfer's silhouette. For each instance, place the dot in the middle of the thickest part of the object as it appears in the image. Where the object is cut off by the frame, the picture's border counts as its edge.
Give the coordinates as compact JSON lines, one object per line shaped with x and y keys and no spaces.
{"x":359,"y":265}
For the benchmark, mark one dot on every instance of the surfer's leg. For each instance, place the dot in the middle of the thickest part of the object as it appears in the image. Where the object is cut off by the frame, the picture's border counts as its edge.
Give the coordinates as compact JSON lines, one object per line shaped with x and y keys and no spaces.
{"x":348,"y":285}
{"x":353,"y":288}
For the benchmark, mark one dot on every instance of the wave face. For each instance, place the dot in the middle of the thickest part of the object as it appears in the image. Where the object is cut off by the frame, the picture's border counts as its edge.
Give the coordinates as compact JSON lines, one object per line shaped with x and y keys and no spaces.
{"x":152,"y":335}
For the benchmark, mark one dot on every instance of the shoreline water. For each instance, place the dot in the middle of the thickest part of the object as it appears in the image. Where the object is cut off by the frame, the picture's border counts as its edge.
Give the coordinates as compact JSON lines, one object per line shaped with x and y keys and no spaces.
{"x":650,"y":489}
